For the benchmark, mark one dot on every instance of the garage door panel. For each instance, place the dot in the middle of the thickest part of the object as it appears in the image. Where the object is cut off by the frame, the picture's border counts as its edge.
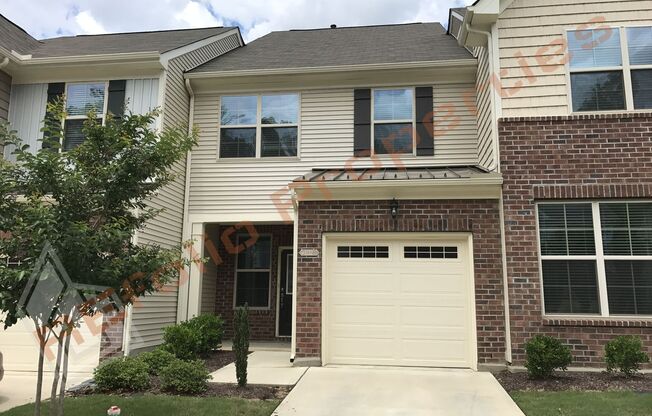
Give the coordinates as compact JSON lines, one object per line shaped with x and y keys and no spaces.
{"x":398,"y":310}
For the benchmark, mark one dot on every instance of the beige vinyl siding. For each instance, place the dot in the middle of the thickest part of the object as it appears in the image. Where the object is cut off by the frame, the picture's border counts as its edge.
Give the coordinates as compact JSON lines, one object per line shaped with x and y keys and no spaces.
{"x":526,"y":30}
{"x":486,"y":156}
{"x":160,"y":310}
{"x":26,"y":114}
{"x":225,"y":187}
{"x":5,"y":91}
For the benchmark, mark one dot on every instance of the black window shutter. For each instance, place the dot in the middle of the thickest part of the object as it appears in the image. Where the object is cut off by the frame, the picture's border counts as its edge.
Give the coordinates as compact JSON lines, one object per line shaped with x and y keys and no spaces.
{"x":116,"y":104}
{"x":55,"y":91}
{"x":425,"y":124}
{"x":362,"y":122}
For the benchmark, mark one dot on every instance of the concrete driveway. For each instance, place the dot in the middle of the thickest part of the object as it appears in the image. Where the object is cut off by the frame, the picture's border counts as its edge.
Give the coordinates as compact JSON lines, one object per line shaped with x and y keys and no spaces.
{"x":18,"y":388}
{"x":345,"y":391}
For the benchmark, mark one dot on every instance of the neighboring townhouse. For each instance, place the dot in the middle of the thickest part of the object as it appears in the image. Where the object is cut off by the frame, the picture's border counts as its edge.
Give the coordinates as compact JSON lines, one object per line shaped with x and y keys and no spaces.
{"x":113,"y":73}
{"x":351,"y":158}
{"x":570,"y":84}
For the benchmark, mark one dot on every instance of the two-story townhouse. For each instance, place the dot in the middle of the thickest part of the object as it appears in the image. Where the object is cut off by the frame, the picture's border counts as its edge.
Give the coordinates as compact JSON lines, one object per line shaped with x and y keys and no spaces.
{"x":570,"y":86}
{"x":111,"y":73}
{"x":348,"y":194}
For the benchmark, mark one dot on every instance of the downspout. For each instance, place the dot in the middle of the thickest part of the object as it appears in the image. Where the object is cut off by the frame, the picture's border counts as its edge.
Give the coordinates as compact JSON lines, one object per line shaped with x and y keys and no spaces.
{"x":295,"y":263}
{"x":187,"y":229}
{"x":503,"y":243}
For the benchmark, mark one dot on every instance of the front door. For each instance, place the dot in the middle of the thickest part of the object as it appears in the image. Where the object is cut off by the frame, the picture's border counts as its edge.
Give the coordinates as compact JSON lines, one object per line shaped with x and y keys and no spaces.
{"x":285,"y":294}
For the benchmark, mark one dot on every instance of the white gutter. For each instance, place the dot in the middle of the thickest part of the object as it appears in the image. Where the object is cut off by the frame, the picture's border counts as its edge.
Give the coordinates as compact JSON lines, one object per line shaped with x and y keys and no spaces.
{"x":4,"y":62}
{"x":333,"y":68}
{"x":99,"y":58}
{"x":503,"y":243}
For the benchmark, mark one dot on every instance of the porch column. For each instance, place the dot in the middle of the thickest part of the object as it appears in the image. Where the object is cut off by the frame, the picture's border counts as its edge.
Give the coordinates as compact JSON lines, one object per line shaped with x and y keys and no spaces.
{"x":196,"y":271}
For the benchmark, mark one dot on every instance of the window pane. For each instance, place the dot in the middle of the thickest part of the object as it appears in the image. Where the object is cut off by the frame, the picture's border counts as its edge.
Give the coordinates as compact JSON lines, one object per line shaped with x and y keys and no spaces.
{"x":257,"y":256}
{"x":280,"y":109}
{"x":629,"y":287}
{"x":598,"y":91}
{"x":73,"y":135}
{"x":392,"y":138}
{"x":594,"y":48}
{"x":393,"y":105}
{"x":279,"y":141}
{"x":252,"y":289}
{"x":239,"y":110}
{"x":238,"y":143}
{"x":639,"y":41}
{"x":570,"y":286}
{"x":82,"y":98}
{"x":626,"y":228}
{"x":566,"y":229}
{"x":642,"y":87}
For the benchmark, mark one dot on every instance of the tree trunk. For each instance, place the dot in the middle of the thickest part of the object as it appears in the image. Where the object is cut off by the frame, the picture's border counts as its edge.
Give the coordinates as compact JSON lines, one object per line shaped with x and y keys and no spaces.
{"x":42,"y":340}
{"x":64,"y":372}
{"x":57,"y":371}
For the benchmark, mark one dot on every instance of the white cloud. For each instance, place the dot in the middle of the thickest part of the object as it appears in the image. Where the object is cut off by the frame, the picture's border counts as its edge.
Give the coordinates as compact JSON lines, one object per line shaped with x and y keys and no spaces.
{"x":196,"y":14}
{"x":47,"y":18}
{"x":88,"y":24}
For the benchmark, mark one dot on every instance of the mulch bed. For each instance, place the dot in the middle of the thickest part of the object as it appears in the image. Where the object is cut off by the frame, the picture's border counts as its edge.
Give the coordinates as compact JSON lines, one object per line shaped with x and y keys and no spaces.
{"x":218,"y":359}
{"x":214,"y":361}
{"x":578,"y":381}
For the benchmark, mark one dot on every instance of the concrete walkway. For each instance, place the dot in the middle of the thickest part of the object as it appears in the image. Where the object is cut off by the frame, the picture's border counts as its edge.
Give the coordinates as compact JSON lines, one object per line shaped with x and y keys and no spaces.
{"x":18,"y":388}
{"x":264,"y":367}
{"x":354,"y":391}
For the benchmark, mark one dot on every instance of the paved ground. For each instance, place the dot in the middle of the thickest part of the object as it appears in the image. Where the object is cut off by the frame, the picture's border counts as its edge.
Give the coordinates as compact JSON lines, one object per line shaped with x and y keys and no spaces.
{"x":349,"y":391}
{"x":18,"y":388}
{"x":264,"y":367}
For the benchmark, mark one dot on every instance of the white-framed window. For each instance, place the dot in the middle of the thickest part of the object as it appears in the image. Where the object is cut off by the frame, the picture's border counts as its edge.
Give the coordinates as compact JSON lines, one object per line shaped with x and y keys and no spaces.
{"x":393,"y":121}
{"x":596,"y":257}
{"x":253,"y":273}
{"x":80,"y":99}
{"x":259,"y":126}
{"x":610,"y":69}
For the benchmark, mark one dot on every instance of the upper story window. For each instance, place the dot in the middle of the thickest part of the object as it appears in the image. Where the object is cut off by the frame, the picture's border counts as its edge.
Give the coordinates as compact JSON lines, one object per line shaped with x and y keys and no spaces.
{"x":596,"y":257}
{"x":393,"y":121}
{"x":611,"y":69}
{"x":259,"y":126}
{"x":80,"y":100}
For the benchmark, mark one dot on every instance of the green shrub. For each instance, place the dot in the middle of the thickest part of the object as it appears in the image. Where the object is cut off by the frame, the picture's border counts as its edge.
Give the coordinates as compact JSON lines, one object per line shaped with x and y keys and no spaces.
{"x":157,"y":359}
{"x":625,"y":354}
{"x":241,"y":344}
{"x":544,"y":355}
{"x":125,"y":373}
{"x":190,"y":377}
{"x":181,"y":341}
{"x":210,"y":329}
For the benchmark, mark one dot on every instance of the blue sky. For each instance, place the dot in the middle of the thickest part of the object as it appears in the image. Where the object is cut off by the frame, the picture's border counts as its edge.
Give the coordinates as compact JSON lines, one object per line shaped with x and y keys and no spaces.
{"x":50,"y":18}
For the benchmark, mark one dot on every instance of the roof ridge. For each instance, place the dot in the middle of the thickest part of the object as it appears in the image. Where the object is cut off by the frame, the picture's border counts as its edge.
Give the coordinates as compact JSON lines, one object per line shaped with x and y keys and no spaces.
{"x":141,"y":32}
{"x":358,"y":27}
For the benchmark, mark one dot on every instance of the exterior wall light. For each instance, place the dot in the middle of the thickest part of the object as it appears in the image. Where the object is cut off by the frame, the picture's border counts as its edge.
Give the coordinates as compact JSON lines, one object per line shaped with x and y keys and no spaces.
{"x":394,"y":208}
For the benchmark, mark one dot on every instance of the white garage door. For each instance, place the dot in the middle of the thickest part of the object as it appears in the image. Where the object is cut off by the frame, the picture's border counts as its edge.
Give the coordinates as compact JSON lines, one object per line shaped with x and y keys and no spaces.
{"x":19,"y":347}
{"x":393,"y":299}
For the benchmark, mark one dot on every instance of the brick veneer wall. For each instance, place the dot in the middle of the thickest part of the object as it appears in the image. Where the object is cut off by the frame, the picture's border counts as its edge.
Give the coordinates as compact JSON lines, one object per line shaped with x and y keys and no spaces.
{"x":480,"y":217}
{"x":575,"y":157}
{"x":111,"y":338}
{"x":262,"y":322}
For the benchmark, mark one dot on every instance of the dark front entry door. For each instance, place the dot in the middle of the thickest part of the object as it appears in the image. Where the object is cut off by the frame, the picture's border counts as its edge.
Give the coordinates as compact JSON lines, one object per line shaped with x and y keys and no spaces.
{"x":285,"y":294}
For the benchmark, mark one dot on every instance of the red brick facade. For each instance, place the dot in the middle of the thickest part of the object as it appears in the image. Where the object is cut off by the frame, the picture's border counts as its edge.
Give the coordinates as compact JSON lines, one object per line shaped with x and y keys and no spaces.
{"x":262,"y":322}
{"x":576,"y":157}
{"x":480,"y":217}
{"x":112,"y":334}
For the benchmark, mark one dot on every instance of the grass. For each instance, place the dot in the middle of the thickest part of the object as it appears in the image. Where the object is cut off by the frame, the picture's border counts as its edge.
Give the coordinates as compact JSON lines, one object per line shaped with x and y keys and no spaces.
{"x":155,"y":405}
{"x":570,"y":403}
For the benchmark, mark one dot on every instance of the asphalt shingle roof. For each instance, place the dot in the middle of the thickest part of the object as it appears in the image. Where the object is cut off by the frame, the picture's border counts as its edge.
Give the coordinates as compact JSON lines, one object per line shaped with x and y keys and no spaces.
{"x":12,"y":37}
{"x":415,"y":42}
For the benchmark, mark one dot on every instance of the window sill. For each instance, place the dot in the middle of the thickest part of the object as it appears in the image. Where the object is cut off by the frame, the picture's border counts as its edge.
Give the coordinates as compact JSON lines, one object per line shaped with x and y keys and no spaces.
{"x":239,"y":160}
{"x":597,"y":321}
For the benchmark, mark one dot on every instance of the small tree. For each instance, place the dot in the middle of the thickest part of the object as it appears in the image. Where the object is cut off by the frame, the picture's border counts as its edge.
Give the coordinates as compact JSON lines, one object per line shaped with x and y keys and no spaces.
{"x":241,"y":343}
{"x":85,"y":204}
